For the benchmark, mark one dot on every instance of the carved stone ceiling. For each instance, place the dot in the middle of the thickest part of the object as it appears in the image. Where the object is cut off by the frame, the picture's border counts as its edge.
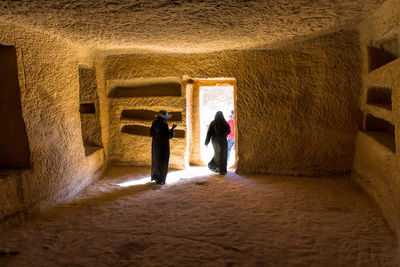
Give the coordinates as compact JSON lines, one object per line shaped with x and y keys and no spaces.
{"x":185,"y":25}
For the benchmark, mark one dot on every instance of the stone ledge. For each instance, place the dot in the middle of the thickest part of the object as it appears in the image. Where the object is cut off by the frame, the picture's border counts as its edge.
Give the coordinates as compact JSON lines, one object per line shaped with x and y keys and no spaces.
{"x":381,"y":111}
{"x":145,"y":131}
{"x":147,"y":115}
{"x":385,"y":76}
{"x":146,"y":87}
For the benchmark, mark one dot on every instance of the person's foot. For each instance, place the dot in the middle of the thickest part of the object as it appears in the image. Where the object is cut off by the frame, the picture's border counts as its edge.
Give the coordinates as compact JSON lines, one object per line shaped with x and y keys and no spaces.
{"x":212,"y":167}
{"x":222,"y":173}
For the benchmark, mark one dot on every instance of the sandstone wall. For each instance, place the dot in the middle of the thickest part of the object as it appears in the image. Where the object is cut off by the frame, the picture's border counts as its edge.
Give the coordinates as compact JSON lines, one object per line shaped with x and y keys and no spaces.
{"x":129,"y":141}
{"x":297,"y":108}
{"x":49,"y":82}
{"x":377,"y":160}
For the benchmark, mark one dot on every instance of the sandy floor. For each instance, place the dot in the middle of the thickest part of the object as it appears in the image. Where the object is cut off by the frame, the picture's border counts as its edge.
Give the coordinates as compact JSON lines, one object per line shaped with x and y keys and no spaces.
{"x":212,"y":220}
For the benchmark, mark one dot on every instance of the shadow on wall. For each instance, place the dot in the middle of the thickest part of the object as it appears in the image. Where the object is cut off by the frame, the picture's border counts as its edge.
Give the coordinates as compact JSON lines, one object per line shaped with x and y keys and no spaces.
{"x":382,"y":52}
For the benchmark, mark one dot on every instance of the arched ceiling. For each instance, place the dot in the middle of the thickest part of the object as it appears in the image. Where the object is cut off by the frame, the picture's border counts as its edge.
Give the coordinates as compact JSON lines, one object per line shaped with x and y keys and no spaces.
{"x":184,"y":25}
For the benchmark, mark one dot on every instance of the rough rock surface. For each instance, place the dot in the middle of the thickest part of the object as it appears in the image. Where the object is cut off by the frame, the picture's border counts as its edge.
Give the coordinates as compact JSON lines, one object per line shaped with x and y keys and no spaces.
{"x":297,"y":107}
{"x":297,"y":102}
{"x":200,"y":25}
{"x":377,"y":159}
{"x":49,"y":82}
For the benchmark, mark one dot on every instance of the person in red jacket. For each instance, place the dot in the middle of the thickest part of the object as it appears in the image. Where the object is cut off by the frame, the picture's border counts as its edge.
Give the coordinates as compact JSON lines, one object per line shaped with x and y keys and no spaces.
{"x":231,"y":135}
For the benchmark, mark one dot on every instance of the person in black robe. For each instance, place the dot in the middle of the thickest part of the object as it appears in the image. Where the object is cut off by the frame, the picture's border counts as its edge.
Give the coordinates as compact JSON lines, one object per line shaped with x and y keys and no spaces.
{"x":160,"y":146}
{"x":217,"y":132}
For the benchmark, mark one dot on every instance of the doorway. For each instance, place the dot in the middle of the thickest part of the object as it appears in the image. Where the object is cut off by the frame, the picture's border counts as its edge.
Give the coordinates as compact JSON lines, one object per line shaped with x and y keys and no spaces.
{"x":213,"y":99}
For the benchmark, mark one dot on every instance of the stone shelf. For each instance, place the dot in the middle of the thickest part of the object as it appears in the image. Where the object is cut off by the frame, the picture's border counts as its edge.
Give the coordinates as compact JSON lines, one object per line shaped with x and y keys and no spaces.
{"x":385,"y":76}
{"x":386,"y":140}
{"x":381,"y":130}
{"x":147,"y":88}
{"x":168,"y":103}
{"x":145,"y":131}
{"x":382,"y":111}
{"x":127,"y":122}
{"x":146,"y":115}
{"x":89,"y":150}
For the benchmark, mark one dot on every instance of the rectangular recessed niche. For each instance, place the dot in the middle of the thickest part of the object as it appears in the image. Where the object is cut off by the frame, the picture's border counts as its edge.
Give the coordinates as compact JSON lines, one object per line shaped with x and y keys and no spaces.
{"x":90,"y":125}
{"x":14,"y":146}
{"x":179,"y":134}
{"x":149,"y":89}
{"x":145,"y":131}
{"x":382,"y":131}
{"x":87,"y":108}
{"x":380,"y":96}
{"x":147,"y":115}
{"x":383,"y":52}
{"x":89,"y":150}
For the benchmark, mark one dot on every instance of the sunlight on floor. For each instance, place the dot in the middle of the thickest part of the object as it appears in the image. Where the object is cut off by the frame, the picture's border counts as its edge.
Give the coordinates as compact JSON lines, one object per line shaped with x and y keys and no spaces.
{"x":172,"y":177}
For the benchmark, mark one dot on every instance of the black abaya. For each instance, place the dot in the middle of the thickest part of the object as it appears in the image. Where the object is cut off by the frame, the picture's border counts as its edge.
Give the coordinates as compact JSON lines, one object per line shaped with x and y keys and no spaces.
{"x":217,"y":132}
{"x":160,"y":149}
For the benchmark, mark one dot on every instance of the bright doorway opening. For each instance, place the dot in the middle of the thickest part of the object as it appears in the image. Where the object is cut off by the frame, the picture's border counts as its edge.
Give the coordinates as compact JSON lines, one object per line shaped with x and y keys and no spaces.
{"x":213,"y":99}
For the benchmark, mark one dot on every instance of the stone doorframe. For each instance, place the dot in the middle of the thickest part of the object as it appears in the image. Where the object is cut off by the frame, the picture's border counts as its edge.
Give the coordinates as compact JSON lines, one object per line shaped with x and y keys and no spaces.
{"x":193,"y":115}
